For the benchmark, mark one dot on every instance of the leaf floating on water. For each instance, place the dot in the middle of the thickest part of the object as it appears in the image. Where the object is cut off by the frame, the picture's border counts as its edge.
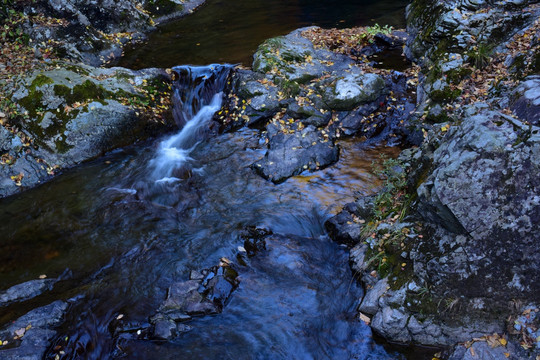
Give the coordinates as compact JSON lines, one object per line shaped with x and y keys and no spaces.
{"x":43,"y":276}
{"x":119,"y":316}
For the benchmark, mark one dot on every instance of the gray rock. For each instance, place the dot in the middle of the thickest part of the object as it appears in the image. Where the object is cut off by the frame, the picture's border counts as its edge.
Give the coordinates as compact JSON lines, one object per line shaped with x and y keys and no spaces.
{"x":352,"y":90}
{"x":164,"y":329}
{"x":370,"y":302}
{"x":184,"y":296}
{"x":37,"y":330}
{"x":25,"y":291}
{"x":357,"y":257}
{"x":484,"y":186}
{"x":392,"y":324}
{"x":295,"y":58}
{"x":74,"y":117}
{"x":290,"y":154}
{"x":527,"y":103}
{"x":343,"y":228}
{"x":481,"y":350}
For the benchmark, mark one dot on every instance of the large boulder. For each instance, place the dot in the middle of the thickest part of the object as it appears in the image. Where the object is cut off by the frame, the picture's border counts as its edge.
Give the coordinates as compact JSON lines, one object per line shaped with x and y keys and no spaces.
{"x":484,"y":190}
{"x":70,"y":115}
{"x":295,"y":58}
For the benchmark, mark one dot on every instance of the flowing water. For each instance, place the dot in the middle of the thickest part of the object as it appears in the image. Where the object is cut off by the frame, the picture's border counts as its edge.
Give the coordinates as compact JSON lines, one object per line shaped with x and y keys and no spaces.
{"x":117,"y":232}
{"x":122,"y":229}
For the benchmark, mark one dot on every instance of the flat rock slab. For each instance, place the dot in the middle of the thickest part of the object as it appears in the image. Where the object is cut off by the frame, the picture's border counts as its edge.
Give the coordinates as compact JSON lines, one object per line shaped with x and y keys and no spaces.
{"x":26,"y":290}
{"x":33,"y":332}
{"x":290,"y":154}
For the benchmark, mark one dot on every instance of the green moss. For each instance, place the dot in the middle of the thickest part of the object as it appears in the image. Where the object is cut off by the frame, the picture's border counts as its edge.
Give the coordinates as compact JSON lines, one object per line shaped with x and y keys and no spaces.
{"x":290,"y":88}
{"x":290,"y":56}
{"x":40,"y":80}
{"x":32,"y":102}
{"x":62,"y":146}
{"x":87,"y":90}
{"x":445,"y":95}
{"x":456,"y":75}
{"x":77,"y":69}
{"x":268,"y":54}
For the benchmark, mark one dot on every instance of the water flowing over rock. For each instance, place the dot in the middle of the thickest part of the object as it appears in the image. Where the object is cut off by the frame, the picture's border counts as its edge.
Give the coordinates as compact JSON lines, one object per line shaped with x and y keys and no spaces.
{"x":197,"y":96}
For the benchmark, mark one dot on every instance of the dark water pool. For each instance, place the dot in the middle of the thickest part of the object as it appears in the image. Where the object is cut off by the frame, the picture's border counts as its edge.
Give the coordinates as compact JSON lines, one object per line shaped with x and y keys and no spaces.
{"x":230,"y":30}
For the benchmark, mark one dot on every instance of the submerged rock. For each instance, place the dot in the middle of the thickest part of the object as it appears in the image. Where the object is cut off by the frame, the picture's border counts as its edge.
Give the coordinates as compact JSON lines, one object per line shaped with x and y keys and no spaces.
{"x":205,"y":294}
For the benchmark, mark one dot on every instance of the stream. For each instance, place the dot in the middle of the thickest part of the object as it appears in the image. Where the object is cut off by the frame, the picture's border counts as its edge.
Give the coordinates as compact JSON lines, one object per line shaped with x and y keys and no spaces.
{"x":118,"y":231}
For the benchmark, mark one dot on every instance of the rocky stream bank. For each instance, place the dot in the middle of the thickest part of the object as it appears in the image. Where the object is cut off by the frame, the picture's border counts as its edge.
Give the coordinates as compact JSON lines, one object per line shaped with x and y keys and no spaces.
{"x":447,"y":250}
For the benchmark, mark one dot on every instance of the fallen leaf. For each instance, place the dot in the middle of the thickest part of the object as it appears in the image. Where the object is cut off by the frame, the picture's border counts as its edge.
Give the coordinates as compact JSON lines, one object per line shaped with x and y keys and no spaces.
{"x":20,"y":332}
{"x":365,"y":318}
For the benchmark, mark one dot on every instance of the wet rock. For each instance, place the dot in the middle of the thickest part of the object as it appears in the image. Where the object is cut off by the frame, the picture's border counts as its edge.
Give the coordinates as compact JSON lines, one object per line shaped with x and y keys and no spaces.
{"x":184,"y":296}
{"x":254,"y":240}
{"x":219,"y":289}
{"x":25,"y":291}
{"x":32,"y":332}
{"x":358,"y":258}
{"x":164,"y":329}
{"x":290,"y":154}
{"x":343,"y":228}
{"x":310,"y":114}
{"x":207,"y":294}
{"x":392,"y":324}
{"x":370,"y":302}
{"x":195,"y":275}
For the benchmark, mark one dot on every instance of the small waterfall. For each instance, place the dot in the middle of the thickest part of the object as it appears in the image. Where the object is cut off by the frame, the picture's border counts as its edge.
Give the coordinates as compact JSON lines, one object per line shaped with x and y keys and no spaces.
{"x":197,"y":96}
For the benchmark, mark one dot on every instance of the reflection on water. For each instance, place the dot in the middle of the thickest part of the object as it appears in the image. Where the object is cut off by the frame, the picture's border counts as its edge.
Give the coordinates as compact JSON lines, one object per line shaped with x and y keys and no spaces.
{"x":230,"y":30}
{"x":337,"y":185}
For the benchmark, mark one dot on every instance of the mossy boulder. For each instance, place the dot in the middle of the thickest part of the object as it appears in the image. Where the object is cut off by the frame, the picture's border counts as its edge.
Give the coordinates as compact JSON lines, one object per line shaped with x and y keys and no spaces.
{"x":67,"y":116}
{"x":294,"y":58}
